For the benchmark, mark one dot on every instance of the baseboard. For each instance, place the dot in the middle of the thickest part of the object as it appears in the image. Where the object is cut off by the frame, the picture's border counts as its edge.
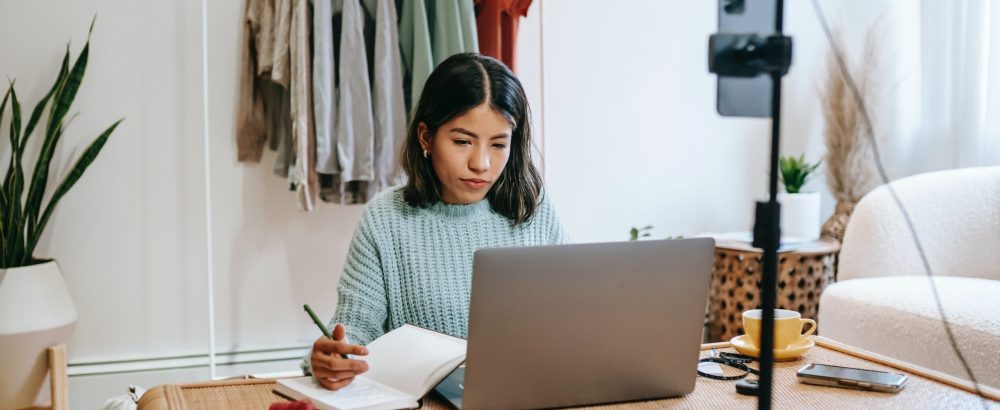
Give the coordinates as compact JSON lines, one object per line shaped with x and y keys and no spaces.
{"x":146,"y":364}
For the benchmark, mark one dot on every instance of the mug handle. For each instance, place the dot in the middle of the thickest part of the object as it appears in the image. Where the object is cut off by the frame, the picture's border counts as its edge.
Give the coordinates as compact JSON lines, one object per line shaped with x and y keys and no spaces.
{"x":812,"y":329}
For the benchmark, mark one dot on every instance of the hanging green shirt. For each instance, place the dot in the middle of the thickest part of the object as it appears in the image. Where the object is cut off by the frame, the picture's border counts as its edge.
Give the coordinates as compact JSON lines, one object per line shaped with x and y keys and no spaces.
{"x":415,"y":48}
{"x":429,"y":33}
{"x":454,"y":28}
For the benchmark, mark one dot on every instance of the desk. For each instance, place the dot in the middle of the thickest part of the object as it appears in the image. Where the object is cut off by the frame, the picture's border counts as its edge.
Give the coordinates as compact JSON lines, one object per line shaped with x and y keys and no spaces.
{"x":926,"y":389}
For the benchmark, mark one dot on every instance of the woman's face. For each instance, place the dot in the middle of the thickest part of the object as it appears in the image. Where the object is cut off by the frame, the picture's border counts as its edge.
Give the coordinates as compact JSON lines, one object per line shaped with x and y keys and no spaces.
{"x":468,"y":153}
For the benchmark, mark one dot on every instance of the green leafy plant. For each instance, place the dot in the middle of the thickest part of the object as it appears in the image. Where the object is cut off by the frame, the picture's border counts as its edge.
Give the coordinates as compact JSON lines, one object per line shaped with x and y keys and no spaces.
{"x":635,"y":233}
{"x":795,"y":172}
{"x":22,"y":214}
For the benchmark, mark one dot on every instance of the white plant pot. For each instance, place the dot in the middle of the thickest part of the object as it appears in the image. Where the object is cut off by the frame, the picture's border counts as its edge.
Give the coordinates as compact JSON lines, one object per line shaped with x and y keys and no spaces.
{"x":36,"y":312}
{"x":800,"y":215}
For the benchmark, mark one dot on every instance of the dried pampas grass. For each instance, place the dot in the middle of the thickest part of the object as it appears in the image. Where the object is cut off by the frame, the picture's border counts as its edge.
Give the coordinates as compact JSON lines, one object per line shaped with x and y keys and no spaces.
{"x":850,"y":169}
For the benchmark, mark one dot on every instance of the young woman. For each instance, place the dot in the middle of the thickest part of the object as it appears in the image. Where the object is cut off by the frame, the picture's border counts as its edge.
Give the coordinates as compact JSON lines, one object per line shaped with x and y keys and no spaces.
{"x":471,"y":184}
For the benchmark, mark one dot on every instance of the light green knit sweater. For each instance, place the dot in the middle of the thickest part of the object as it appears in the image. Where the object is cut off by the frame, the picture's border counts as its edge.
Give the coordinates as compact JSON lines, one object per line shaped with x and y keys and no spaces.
{"x":414,"y":265}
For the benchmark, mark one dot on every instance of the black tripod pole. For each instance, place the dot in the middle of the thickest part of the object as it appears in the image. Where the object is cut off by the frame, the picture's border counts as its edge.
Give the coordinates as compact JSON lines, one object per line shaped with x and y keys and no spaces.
{"x":768,"y":220}
{"x":748,"y":55}
{"x":768,"y":217}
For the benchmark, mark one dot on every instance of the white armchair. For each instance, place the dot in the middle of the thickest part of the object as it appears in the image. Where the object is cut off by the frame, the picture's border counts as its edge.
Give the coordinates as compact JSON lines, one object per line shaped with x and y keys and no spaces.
{"x":883,"y":300}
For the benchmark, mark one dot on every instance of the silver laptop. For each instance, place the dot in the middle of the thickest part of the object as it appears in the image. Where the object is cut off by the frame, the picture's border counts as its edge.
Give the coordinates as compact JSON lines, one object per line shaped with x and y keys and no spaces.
{"x":567,"y":325}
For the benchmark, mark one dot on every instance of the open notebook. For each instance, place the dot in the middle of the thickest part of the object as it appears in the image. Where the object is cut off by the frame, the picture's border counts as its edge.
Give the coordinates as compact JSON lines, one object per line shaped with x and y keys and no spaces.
{"x":403,"y":365}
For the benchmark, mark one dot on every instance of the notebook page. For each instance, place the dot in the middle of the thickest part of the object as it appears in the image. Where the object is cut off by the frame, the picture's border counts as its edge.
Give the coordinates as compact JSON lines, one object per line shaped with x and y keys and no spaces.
{"x":362,"y":393}
{"x":409,"y":357}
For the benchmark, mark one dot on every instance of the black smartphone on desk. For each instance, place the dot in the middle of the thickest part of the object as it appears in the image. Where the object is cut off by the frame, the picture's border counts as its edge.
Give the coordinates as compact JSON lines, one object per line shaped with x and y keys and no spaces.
{"x":851,"y":378}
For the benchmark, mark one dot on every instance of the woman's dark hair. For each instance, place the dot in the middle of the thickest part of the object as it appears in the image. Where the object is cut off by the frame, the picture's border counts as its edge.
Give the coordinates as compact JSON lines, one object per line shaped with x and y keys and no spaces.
{"x":458,"y":84}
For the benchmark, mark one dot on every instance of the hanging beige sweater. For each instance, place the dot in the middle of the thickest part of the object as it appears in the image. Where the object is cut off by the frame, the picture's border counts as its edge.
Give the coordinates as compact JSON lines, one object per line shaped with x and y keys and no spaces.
{"x":276,"y":40}
{"x":251,"y":121}
{"x":303,"y":173}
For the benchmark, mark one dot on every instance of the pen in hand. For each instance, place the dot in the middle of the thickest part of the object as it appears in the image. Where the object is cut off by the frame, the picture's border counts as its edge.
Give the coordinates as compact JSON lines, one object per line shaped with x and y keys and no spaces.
{"x":322,"y":327}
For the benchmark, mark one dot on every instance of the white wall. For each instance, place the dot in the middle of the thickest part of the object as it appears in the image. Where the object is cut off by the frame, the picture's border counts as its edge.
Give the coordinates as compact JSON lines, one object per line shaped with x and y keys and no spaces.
{"x":631,"y":138}
{"x":632,"y":133}
{"x":128,"y":235}
{"x":895,"y":105}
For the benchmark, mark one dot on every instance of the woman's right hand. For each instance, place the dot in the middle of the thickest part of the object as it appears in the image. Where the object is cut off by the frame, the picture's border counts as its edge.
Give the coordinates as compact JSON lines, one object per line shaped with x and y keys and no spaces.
{"x":331,"y":369}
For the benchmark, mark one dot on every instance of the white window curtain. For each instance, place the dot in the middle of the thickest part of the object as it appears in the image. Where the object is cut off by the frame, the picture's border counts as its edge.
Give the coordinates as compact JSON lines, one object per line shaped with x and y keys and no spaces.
{"x":959,"y":121}
{"x":991,"y":127}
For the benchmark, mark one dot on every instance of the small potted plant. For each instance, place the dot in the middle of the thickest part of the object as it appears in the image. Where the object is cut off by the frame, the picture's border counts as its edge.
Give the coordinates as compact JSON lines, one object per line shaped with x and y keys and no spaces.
{"x":799,"y":210}
{"x":635,"y":233}
{"x":36,"y":310}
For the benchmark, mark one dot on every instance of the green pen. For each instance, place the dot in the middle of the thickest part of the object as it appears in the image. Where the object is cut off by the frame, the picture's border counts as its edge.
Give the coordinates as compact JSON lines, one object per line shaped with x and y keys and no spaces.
{"x":322,"y":327}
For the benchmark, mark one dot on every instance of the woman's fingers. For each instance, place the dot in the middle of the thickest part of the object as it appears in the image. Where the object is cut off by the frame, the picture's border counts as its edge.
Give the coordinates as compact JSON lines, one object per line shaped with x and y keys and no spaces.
{"x":335,"y":375}
{"x":346,"y":348}
{"x":338,"y":364}
{"x":342,"y":375}
{"x":327,"y":380}
{"x":330,"y":379}
{"x":331,"y":368}
{"x":328,"y":346}
{"x":340,"y":384}
{"x":334,"y":362}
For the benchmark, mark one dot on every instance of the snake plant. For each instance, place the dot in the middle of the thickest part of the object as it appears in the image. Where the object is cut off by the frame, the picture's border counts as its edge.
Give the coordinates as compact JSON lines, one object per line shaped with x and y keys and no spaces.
{"x":24,"y":214}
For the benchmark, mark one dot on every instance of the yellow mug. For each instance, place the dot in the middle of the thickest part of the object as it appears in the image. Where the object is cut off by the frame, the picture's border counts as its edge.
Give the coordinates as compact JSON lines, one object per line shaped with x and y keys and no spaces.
{"x":787,"y":327}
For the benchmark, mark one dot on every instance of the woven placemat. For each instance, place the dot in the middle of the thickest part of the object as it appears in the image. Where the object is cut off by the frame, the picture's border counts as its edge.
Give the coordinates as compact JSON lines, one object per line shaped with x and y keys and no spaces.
{"x":920,"y":392}
{"x":220,"y":394}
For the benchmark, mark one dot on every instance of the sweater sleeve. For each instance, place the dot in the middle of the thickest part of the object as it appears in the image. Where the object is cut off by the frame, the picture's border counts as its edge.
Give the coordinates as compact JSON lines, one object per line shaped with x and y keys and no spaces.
{"x":556,"y":231}
{"x":559,"y":235}
{"x":362,"y":305}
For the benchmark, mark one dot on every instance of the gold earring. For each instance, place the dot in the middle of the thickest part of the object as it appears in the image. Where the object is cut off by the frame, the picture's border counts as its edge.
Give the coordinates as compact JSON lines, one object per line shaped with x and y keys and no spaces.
{"x":427,"y":154}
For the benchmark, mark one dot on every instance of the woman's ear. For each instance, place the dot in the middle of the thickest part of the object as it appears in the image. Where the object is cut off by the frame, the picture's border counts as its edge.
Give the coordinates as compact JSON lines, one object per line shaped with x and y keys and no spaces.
{"x":423,"y":135}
